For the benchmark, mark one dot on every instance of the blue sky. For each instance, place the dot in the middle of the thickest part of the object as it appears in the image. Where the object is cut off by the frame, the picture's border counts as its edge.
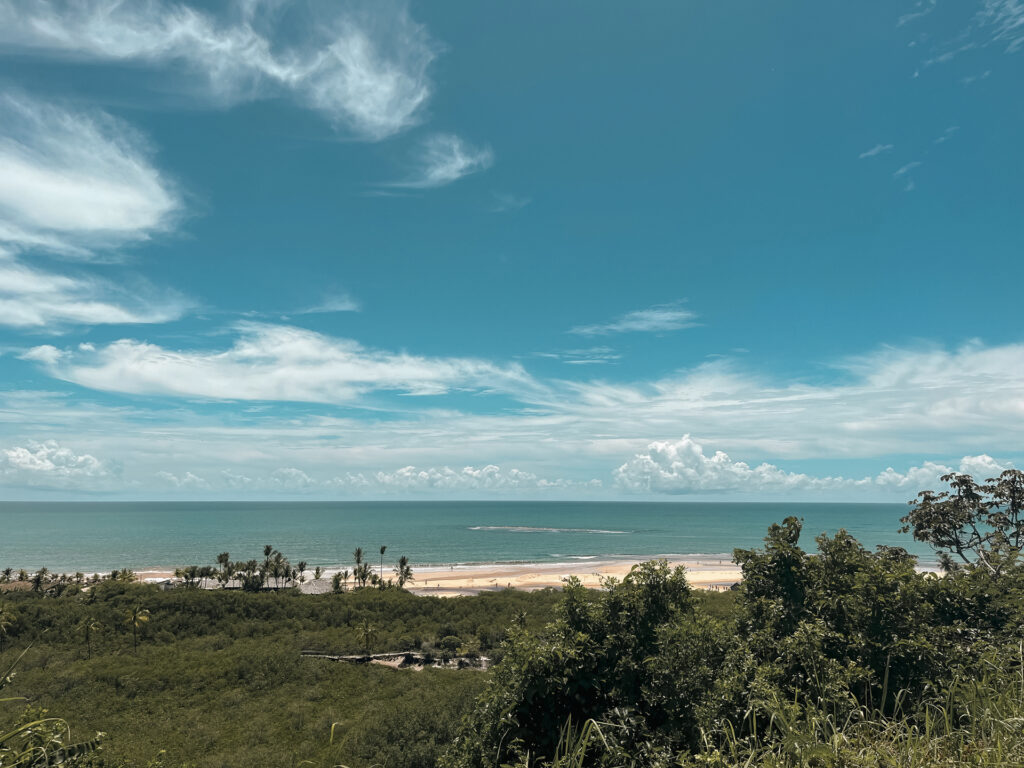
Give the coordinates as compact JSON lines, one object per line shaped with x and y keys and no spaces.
{"x":529,"y":250}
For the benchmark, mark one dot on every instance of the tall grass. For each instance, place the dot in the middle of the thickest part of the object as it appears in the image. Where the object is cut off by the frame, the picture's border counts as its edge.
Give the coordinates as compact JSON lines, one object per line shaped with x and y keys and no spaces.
{"x":977,"y":721}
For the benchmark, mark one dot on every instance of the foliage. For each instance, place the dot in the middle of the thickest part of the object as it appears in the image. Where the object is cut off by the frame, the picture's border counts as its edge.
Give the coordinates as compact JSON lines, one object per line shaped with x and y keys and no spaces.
{"x":218,"y":679}
{"x":972,"y":523}
{"x":635,"y":654}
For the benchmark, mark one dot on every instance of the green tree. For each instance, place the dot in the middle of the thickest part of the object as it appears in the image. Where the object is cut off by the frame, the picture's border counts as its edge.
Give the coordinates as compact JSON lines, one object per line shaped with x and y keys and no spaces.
{"x":7,"y":620}
{"x":403,"y":572}
{"x":367,"y":634}
{"x":598,"y":660}
{"x":39,"y":579}
{"x":382,"y":549}
{"x":88,"y":627}
{"x":972,"y":523}
{"x":137,"y":619}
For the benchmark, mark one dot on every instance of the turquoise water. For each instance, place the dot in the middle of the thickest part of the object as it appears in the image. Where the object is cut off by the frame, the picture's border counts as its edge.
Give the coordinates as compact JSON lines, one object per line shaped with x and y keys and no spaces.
{"x":100,"y":536}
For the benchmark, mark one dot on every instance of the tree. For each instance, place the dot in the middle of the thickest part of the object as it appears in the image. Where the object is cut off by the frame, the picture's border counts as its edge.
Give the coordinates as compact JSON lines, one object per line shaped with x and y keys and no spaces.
{"x":7,"y":619}
{"x":403,"y":572}
{"x":227,"y":568}
{"x":88,"y":626}
{"x":972,"y":523}
{"x":6,"y":575}
{"x":367,"y":633}
{"x":318,"y":572}
{"x":302,"y":570}
{"x":137,"y":618}
{"x":39,"y":579}
{"x":599,"y":660}
{"x":382,"y":548}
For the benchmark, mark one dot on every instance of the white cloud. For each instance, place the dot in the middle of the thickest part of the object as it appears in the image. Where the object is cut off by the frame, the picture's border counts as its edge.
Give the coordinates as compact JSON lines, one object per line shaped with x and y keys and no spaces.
{"x":271,"y":362}
{"x":659,"y":318}
{"x":485,"y":478}
{"x":947,"y":134}
{"x":905,"y":169}
{"x":187,"y":480}
{"x":71,"y":181}
{"x":681,"y":467}
{"x":366,"y":71}
{"x":505,"y":202}
{"x":48,"y":464}
{"x":875,"y":150}
{"x":33,"y":298}
{"x":339,"y":302}
{"x":1005,"y":20}
{"x":906,"y":403}
{"x":589,"y":356}
{"x":445,"y":158}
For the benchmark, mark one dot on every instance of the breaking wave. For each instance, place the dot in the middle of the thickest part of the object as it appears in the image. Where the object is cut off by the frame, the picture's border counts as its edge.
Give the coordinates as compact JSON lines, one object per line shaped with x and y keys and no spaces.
{"x":536,"y":529}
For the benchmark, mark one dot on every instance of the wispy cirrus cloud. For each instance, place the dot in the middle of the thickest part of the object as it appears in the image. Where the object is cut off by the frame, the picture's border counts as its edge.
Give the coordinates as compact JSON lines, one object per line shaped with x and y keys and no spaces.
{"x":33,"y":298}
{"x":443,"y":158}
{"x":363,"y":67}
{"x":876,"y":150}
{"x":274,"y":363}
{"x":921,"y":8}
{"x":903,"y":173}
{"x":657,"y":319}
{"x":338,"y":302}
{"x":76,"y":184}
{"x":74,"y":181}
{"x":588,"y":356}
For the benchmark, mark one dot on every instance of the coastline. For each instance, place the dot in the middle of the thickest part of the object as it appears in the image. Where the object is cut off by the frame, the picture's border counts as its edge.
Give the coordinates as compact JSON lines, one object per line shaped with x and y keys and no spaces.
{"x":702,"y":572}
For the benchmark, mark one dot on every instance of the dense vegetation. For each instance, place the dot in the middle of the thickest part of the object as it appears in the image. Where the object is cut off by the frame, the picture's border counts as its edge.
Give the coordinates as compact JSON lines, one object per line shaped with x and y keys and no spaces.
{"x":838,"y":656}
{"x":217,"y":678}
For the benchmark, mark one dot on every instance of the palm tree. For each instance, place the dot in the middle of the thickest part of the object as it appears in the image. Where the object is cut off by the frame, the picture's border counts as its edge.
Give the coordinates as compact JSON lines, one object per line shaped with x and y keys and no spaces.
{"x":22,"y":575}
{"x":226,"y":568}
{"x":358,"y":570}
{"x":39,"y":579}
{"x":382,"y":548}
{"x":87,"y":626}
{"x":137,"y":618}
{"x":403,"y":572}
{"x":7,"y":575}
{"x":302,"y":570}
{"x":7,"y":619}
{"x":318,"y":572}
{"x":367,"y":632}
{"x":344,"y":578}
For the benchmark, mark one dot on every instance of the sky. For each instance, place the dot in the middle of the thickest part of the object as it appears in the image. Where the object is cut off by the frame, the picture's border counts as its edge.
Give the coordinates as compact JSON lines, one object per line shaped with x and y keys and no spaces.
{"x":661,"y":250}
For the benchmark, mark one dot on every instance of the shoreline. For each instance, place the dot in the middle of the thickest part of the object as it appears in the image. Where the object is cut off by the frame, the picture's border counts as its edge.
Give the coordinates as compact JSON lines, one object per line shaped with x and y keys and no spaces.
{"x":702,"y":572}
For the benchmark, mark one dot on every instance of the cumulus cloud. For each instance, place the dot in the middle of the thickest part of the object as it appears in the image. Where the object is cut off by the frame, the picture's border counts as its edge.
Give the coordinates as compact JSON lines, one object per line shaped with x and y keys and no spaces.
{"x":366,"y":70}
{"x":485,"y":478}
{"x":682,"y":467}
{"x":659,"y":318}
{"x":445,"y":158}
{"x":273,"y":362}
{"x":49,"y":464}
{"x":72,"y":180}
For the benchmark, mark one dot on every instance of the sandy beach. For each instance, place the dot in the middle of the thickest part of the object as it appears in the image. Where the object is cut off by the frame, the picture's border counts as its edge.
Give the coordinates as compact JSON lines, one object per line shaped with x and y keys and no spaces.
{"x":454,"y":580}
{"x":468,"y":580}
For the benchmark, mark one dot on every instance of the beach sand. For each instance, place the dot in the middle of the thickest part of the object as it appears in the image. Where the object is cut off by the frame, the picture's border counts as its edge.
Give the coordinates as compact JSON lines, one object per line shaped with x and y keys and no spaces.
{"x":455,"y":580}
{"x":701,"y":574}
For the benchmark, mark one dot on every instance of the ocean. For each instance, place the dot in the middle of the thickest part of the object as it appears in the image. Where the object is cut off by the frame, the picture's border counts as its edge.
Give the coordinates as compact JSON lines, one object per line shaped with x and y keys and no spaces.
{"x":101,"y":536}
